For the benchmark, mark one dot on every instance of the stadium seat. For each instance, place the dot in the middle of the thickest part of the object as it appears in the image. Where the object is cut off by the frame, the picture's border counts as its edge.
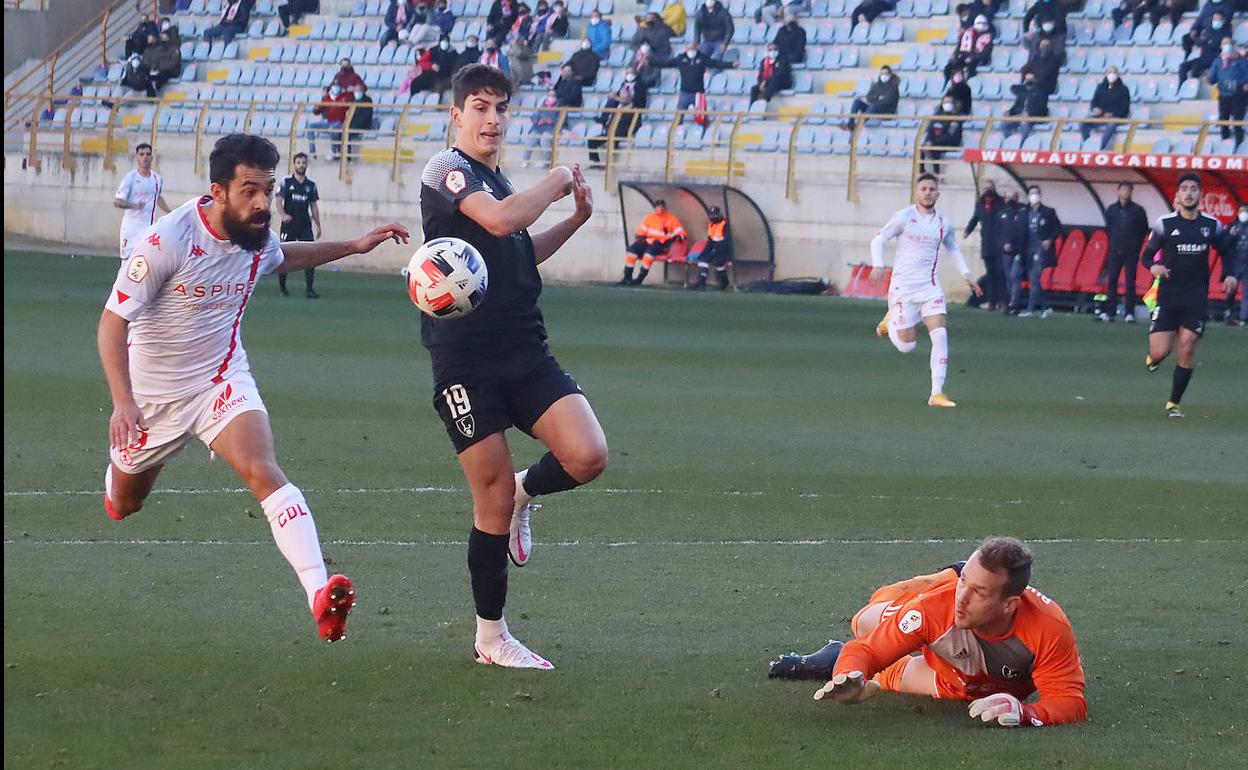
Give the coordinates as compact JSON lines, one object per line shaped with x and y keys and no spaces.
{"x":1069,"y":256}
{"x":1091,"y":269}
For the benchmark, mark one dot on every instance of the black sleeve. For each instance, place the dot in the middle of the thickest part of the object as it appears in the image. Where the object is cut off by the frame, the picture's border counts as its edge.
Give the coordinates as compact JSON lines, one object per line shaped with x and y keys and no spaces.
{"x":313,"y":194}
{"x":1224,"y":242}
{"x":970,"y":225}
{"x":283,"y":192}
{"x":1156,"y":242}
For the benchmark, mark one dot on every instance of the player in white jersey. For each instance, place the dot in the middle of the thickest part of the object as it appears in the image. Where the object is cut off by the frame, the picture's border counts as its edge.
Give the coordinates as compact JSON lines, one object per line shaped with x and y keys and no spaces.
{"x":176,"y":368}
{"x":914,"y":294}
{"x":140,"y":194}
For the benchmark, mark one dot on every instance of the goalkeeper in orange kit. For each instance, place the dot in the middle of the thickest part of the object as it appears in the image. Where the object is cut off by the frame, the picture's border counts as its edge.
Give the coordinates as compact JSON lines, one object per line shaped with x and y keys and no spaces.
{"x":982,"y":635}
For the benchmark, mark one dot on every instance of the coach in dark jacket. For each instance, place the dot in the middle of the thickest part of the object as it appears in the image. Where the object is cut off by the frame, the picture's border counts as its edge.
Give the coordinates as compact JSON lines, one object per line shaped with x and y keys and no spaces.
{"x":1011,"y":236}
{"x":1126,"y":224}
{"x":1040,"y":251}
{"x":987,"y":216}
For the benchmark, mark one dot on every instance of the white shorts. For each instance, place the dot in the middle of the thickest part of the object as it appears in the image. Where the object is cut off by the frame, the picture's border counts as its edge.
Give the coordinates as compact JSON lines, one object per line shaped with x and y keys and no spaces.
{"x":170,"y":426}
{"x":909,"y":307}
{"x":128,"y":238}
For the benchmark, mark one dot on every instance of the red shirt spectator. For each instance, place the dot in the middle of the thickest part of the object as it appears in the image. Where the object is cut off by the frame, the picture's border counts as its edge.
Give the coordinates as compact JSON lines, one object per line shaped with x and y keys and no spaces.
{"x":347,"y":78}
{"x":329,"y":109}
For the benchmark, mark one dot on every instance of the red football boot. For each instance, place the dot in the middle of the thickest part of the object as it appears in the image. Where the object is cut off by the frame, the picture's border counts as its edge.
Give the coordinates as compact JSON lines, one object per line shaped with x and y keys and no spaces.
{"x":111,"y":511}
{"x":331,"y":606}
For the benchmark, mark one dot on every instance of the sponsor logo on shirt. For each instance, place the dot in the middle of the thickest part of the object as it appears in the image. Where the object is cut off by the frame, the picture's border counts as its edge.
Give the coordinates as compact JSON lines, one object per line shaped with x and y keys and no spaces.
{"x":138,"y":269}
{"x":154,"y":239}
{"x":196,"y":251}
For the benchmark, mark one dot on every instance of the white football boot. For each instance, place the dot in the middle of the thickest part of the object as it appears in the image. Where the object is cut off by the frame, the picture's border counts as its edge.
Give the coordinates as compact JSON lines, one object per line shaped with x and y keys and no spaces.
{"x":520,"y":545}
{"x":506,"y":650}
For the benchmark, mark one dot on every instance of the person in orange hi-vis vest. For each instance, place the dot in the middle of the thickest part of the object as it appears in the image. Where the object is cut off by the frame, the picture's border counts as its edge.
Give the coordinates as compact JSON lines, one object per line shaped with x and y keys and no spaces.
{"x":981,"y":634}
{"x":716,"y":252}
{"x":655,"y":236}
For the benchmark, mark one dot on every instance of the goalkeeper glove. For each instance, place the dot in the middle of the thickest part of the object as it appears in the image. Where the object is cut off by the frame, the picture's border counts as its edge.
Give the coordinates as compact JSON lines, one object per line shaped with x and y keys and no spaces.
{"x":1005,"y":709}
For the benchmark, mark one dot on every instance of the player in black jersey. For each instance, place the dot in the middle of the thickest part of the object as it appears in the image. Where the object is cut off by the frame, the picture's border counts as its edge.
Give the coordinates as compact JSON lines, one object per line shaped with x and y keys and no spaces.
{"x":492,"y":369}
{"x":296,"y":204}
{"x":1177,"y":253}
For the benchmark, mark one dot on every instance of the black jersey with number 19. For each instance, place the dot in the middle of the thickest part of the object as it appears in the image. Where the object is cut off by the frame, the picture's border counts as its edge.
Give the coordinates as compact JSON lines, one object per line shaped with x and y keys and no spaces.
{"x":506,"y":332}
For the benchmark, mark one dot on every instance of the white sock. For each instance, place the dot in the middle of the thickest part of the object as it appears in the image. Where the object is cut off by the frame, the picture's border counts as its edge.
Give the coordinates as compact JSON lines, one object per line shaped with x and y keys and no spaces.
{"x":488,"y":631}
{"x":523,"y":497}
{"x":294,"y":531}
{"x":898,"y":342}
{"x":108,"y":481}
{"x":940,"y":358}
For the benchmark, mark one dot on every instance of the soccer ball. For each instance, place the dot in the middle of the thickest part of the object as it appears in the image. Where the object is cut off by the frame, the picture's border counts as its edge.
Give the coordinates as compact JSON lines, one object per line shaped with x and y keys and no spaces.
{"x":447,"y":278}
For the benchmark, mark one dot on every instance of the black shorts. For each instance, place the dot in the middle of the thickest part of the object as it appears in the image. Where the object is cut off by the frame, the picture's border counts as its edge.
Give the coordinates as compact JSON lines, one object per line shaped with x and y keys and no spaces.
{"x":640,"y":247}
{"x":300,"y":236}
{"x":472,"y":409}
{"x":714,"y":255}
{"x":1168,"y":318}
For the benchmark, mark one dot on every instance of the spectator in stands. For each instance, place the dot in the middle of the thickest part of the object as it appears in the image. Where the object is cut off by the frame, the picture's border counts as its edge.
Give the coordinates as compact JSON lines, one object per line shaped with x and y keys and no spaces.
{"x":881,"y":99}
{"x":1239,"y":233}
{"x":569,"y":88}
{"x":1011,"y":234}
{"x":333,"y":113}
{"x":655,"y":236}
{"x":632,"y":93}
{"x":137,"y":42}
{"x":1030,"y":101}
{"x":585,"y":64}
{"x":791,"y":39}
{"x":435,"y":63}
{"x":292,"y":12}
{"x":775,"y":74}
{"x":235,"y":16}
{"x":960,"y":91}
{"x":675,"y":17}
{"x":522,"y":57}
{"x":400,"y":17}
{"x":1204,"y":20}
{"x":137,"y":77}
{"x":443,"y":18}
{"x":1041,"y":11}
{"x":165,"y":61}
{"x":644,"y":65}
{"x":423,"y":31}
{"x":965,"y":19}
{"x":1112,"y":99}
{"x":692,"y":65}
{"x":557,"y":25}
{"x":1048,"y":34}
{"x":713,"y":28}
{"x":347,"y":78}
{"x":522,"y":27}
{"x":493,"y":55}
{"x":1127,"y":226}
{"x":772,"y":11}
{"x":1045,"y":65}
{"x":1230,"y":74}
{"x":653,"y":30}
{"x":987,"y":217}
{"x":1171,"y":10}
{"x":1136,"y":9}
{"x":470,"y":55}
{"x":542,"y":131}
{"x":974,"y":49}
{"x":943,"y":131}
{"x":986,"y":8}
{"x":870,"y":10}
{"x":1040,"y":250}
{"x":1210,"y":45}
{"x":598,"y":33}
{"x":167,"y":27}
{"x":500,"y":19}
{"x":361,"y":121}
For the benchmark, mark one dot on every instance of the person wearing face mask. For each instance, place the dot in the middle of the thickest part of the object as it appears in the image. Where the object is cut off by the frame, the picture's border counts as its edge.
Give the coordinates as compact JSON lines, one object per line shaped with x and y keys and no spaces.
{"x":653,"y":31}
{"x":333,"y":113}
{"x":494,"y":56}
{"x":235,"y":16}
{"x":1112,"y":99}
{"x":166,"y":61}
{"x":399,"y":18}
{"x":137,"y":42}
{"x":1126,"y":224}
{"x":881,"y":99}
{"x":675,"y":17}
{"x":542,"y":129}
{"x":422,"y":31}
{"x":775,"y":74}
{"x":974,"y":50}
{"x":1238,"y":232}
{"x":347,"y":78}
{"x":942,"y":132}
{"x":987,"y":218}
{"x":569,"y":88}
{"x":1042,"y":11}
{"x":500,"y":19}
{"x":435,"y":65}
{"x":791,"y":39}
{"x":470,"y":55}
{"x":585,"y":64}
{"x":522,"y":27}
{"x":643,"y":63}
{"x":598,"y":33}
{"x":443,"y":18}
{"x":716,"y":252}
{"x":712,"y":29}
{"x":137,"y":76}
{"x":1045,"y":65}
{"x":1030,"y":101}
{"x":361,"y":121}
{"x":1203,"y":21}
{"x":1048,"y":35}
{"x":1230,"y":74}
{"x":633,"y":93}
{"x":869,"y":10}
{"x":538,"y":37}
{"x":960,"y":91}
{"x":292,"y":12}
{"x":692,"y":65}
{"x":167,"y":27}
{"x":1039,"y":251}
{"x":1210,"y":44}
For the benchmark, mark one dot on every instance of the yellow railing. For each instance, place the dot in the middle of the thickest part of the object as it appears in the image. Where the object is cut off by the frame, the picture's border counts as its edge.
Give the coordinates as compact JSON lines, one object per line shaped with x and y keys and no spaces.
{"x":677,"y":147}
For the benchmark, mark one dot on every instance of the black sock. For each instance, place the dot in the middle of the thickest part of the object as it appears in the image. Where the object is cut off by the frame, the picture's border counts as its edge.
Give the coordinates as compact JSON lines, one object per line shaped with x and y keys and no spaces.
{"x":628,"y":275}
{"x":1182,"y":376}
{"x":281,"y":281}
{"x":309,"y":276}
{"x":641,"y":274}
{"x":487,"y":566}
{"x":547,"y":476}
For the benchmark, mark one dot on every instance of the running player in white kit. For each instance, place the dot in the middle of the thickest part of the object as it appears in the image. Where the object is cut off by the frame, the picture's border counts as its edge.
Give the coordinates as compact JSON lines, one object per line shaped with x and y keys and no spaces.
{"x":176,"y":368}
{"x":140,"y":194}
{"x":914,"y":294}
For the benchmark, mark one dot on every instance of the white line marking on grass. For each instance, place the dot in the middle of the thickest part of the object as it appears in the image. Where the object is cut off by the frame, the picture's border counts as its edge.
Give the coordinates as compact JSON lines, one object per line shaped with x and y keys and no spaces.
{"x":653,"y":544}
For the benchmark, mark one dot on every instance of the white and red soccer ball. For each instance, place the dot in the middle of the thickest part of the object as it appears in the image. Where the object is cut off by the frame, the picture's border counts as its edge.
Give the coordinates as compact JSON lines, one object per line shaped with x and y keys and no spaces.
{"x":447,"y":278}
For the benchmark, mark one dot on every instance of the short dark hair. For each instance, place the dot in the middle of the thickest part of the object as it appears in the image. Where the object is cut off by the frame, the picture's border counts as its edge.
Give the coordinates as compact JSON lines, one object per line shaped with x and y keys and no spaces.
{"x":236,"y":150}
{"x":1191,"y":176}
{"x":660,"y":202}
{"x":927,"y":177}
{"x":299,"y":155}
{"x":1008,"y":555}
{"x":476,"y":78}
{"x":1126,"y":184}
{"x":142,"y":145}
{"x":1031,"y":187}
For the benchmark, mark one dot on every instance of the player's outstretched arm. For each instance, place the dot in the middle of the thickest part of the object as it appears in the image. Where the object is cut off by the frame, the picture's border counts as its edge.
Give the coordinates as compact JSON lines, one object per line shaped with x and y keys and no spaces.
{"x":300,"y":255}
{"x":516,"y":212}
{"x":547,"y":242}
{"x":848,"y":688}
{"x":126,"y":422}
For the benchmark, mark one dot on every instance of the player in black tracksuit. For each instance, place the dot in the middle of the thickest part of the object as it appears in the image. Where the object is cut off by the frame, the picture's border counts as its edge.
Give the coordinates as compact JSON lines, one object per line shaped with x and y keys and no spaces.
{"x":296,"y":203}
{"x":1183,"y":238}
{"x":492,"y":369}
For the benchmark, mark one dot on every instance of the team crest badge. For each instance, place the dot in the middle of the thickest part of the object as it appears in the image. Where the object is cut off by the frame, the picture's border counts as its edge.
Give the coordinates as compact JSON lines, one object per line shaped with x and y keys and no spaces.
{"x":1204,"y":232}
{"x":455,"y":181}
{"x":137,"y":270}
{"x":466,"y":425}
{"x":1010,"y":674}
{"x":912,"y":621}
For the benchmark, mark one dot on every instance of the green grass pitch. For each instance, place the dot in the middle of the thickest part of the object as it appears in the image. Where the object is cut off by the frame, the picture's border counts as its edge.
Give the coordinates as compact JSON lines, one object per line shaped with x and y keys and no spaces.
{"x":772,"y":462}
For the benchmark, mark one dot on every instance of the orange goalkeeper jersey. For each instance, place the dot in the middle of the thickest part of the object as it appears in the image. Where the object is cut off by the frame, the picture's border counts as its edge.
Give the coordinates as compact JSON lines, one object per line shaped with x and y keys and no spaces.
{"x":1037,"y":655}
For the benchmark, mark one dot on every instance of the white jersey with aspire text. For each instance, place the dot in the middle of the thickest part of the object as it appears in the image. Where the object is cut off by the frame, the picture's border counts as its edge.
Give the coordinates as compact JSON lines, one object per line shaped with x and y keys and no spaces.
{"x":184,"y":290}
{"x":144,"y":191}
{"x":919,"y":238}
